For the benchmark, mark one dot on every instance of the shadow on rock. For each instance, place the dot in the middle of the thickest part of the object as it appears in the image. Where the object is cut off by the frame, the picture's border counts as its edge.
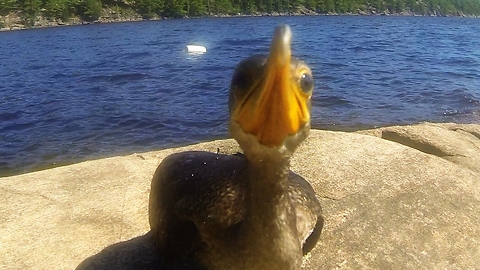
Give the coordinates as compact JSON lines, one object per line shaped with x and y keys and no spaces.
{"x":136,"y":253}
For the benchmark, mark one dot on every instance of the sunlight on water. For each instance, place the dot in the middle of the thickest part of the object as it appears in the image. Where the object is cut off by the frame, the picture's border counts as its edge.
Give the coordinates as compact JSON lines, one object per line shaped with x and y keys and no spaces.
{"x":74,"y":93}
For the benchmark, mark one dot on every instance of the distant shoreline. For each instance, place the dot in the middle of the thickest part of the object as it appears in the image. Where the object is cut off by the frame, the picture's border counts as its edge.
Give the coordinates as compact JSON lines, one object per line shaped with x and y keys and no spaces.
{"x":13,"y":21}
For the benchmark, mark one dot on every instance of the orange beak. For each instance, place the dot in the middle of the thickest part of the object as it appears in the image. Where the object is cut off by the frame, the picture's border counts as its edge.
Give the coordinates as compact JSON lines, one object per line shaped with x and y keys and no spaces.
{"x":276,"y":107}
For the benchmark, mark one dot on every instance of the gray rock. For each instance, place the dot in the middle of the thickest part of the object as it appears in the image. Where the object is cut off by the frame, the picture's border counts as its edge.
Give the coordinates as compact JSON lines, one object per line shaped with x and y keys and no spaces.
{"x":458,"y":143}
{"x":386,"y":204}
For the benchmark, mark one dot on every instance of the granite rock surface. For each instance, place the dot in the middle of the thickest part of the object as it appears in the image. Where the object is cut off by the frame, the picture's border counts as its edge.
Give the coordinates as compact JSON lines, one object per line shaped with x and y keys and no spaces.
{"x":403,"y":197}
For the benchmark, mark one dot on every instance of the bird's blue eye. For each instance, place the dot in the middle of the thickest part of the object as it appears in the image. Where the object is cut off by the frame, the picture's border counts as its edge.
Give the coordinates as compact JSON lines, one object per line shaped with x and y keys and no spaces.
{"x":306,"y":82}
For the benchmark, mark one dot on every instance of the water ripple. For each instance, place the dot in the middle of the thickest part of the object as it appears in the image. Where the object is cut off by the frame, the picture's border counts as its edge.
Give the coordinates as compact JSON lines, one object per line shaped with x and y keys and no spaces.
{"x":76,"y":93}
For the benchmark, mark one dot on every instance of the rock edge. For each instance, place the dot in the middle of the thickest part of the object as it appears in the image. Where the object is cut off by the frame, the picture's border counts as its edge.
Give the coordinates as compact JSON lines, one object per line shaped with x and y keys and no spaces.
{"x":395,"y":197}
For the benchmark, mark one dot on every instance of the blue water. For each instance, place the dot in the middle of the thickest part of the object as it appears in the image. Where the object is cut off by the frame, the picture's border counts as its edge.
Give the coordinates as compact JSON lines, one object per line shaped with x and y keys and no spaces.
{"x":69,"y":94}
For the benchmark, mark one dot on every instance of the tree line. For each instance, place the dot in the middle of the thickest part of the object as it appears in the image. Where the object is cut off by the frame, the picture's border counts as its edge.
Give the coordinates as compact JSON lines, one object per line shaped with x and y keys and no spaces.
{"x":91,"y":10}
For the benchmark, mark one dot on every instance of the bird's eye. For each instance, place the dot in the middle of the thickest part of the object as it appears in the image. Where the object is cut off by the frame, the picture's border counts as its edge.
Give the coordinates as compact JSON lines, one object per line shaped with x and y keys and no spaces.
{"x":306,"y":82}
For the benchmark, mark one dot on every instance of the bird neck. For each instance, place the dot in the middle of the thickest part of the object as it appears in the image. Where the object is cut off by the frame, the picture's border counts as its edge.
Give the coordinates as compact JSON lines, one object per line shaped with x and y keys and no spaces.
{"x":269,"y":173}
{"x":270,"y":223}
{"x":267,"y":192}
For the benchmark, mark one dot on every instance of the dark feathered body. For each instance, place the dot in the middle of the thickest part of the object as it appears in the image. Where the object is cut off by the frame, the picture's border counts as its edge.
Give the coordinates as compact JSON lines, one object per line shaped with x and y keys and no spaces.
{"x":202,"y":207}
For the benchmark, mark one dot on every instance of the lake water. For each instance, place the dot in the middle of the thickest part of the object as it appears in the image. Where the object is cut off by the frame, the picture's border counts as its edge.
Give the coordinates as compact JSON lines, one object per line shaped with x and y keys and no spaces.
{"x":69,"y":94}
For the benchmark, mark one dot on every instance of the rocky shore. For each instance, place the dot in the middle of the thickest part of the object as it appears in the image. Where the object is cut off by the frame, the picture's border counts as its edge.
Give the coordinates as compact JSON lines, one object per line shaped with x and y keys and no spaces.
{"x":14,"y":21}
{"x":395,"y":197}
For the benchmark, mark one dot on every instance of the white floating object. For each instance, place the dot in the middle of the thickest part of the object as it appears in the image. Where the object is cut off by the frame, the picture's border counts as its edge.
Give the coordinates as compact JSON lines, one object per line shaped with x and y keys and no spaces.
{"x":196,"y":49}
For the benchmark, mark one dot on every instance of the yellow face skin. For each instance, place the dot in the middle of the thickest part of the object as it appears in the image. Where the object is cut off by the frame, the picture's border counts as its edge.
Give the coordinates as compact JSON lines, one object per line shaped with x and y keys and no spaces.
{"x":276,"y":103}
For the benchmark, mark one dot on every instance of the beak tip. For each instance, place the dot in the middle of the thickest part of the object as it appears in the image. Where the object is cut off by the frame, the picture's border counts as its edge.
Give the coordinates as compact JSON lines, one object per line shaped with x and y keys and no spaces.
{"x":280,"y":48}
{"x":283,"y":34}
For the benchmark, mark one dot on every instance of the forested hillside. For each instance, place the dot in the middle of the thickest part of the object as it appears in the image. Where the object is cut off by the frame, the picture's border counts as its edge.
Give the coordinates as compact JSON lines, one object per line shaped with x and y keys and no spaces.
{"x":91,"y":10}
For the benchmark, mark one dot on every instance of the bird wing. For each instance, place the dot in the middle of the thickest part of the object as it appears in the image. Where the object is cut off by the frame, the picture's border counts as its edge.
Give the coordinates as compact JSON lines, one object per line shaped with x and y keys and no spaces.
{"x":308,"y":210}
{"x":192,"y":190}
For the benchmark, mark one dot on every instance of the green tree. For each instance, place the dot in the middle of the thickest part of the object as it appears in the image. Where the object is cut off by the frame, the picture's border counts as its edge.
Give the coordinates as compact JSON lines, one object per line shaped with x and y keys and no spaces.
{"x":7,"y":6}
{"x":174,"y":9}
{"x":89,"y":10}
{"x":340,"y":6}
{"x":399,"y":5}
{"x":389,"y":5}
{"x":469,"y":7}
{"x":58,"y":9}
{"x":325,"y":6}
{"x":432,"y":6}
{"x":196,"y":8}
{"x":293,"y":5}
{"x":310,"y":4}
{"x":221,"y":6}
{"x":264,"y":5}
{"x":446,"y":7}
{"x":281,"y":5}
{"x":148,"y":8}
{"x":30,"y":10}
{"x":379,"y":5}
{"x":247,"y":6}
{"x":420,"y":8}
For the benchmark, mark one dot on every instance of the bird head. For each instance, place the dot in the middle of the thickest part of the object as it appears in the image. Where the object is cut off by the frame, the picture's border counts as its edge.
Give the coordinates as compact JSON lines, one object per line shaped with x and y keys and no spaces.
{"x":269,"y":99}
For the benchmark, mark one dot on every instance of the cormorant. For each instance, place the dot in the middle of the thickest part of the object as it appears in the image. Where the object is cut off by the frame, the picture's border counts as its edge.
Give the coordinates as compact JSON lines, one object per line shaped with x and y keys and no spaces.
{"x":245,"y":211}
